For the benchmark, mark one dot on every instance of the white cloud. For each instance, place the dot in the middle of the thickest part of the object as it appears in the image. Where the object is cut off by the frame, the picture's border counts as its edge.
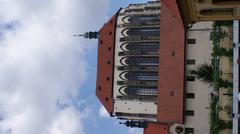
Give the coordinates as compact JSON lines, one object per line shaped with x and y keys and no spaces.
{"x":103,"y":112}
{"x":42,"y":65}
{"x":135,"y":131}
{"x":67,"y":121}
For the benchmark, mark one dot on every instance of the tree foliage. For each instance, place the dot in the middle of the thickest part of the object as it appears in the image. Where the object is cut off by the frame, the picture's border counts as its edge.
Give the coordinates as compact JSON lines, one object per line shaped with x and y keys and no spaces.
{"x":204,"y":73}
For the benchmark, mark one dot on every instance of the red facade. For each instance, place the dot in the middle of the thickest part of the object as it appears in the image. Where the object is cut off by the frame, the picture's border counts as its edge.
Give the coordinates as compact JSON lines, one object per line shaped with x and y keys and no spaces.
{"x":104,"y":89}
{"x":171,"y":68}
{"x":156,"y":129}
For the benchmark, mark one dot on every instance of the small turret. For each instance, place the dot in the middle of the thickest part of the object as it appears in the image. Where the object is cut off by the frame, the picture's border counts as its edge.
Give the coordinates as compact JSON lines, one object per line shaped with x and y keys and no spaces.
{"x":89,"y":35}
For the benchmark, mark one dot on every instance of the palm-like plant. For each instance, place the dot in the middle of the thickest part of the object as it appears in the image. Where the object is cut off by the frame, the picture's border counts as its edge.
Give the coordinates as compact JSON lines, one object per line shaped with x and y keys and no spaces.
{"x":204,"y":73}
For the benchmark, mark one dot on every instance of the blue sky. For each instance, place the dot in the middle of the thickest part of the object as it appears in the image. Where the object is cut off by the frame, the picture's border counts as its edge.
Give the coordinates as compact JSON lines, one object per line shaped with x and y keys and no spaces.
{"x":48,"y":77}
{"x":105,"y":125}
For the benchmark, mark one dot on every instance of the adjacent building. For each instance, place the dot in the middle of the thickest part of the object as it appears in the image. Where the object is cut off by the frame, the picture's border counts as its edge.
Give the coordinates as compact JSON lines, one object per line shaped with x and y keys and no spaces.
{"x":205,"y":10}
{"x":197,"y":94}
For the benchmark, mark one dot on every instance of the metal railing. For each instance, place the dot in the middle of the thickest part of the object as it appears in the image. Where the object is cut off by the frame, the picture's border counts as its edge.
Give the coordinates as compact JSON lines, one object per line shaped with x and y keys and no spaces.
{"x":235,"y":77}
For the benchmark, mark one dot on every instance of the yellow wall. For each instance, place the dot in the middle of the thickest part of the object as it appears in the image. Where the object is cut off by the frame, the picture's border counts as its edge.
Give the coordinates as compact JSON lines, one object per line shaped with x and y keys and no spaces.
{"x":209,"y":10}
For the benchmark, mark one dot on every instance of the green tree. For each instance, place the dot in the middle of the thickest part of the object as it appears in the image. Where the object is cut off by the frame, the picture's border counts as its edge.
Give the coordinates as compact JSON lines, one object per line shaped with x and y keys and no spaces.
{"x":204,"y":73}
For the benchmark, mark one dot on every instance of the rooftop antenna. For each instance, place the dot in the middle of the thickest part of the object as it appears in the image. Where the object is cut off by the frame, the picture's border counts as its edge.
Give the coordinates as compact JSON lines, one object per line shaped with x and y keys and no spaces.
{"x":88,"y":35}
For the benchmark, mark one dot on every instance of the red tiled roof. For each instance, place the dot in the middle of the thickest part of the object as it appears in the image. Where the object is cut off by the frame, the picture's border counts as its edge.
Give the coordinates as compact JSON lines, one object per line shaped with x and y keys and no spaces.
{"x":105,"y":64}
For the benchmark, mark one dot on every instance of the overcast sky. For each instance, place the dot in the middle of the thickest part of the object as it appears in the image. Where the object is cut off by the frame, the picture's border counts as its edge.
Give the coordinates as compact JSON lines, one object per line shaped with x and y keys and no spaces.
{"x":48,"y":77}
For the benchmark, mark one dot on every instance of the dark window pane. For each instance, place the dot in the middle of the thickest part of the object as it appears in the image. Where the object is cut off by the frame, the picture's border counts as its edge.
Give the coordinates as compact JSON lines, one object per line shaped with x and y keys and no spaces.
{"x":190,"y":78}
{"x":139,"y":68}
{"x":141,"y":76}
{"x":140,"y":38}
{"x":140,"y":19}
{"x":141,"y":91}
{"x":142,"y":61}
{"x":191,"y":41}
{"x":190,"y":95}
{"x":134,"y":10}
{"x":189,"y":130}
{"x":191,"y":62}
{"x":189,"y":112}
{"x":143,"y":31}
{"x":138,"y":83}
{"x":120,"y":82}
{"x":143,"y":46}
{"x":138,"y":53}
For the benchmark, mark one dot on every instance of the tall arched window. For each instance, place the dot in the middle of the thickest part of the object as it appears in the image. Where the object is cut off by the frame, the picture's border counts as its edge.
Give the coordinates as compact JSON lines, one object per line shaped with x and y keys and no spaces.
{"x":141,"y":19}
{"x":143,"y":31}
{"x":151,"y":91}
{"x":146,"y":76}
{"x":148,"y":46}
{"x":142,"y":61}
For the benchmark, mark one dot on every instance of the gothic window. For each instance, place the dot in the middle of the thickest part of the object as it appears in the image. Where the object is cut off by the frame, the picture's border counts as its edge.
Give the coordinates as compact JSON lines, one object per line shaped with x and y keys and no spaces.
{"x":143,"y":31}
{"x":141,"y":76}
{"x":126,"y":53}
{"x":140,"y":19}
{"x":142,"y":61}
{"x":152,"y":91}
{"x":143,"y":46}
{"x":135,"y":10}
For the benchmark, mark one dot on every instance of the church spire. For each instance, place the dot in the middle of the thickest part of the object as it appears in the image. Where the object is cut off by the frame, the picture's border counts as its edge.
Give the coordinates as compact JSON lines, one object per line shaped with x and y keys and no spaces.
{"x":88,"y":35}
{"x":132,"y":123}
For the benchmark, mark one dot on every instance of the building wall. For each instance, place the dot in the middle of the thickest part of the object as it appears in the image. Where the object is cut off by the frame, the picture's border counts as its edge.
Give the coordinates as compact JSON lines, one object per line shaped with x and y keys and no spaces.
{"x":218,"y":10}
{"x":209,"y":10}
{"x":201,"y":53}
{"x":171,"y":68}
{"x":156,"y":129}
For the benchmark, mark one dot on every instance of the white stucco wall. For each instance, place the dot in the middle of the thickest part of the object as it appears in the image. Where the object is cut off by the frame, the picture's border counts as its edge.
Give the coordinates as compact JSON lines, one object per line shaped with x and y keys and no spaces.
{"x":201,"y":52}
